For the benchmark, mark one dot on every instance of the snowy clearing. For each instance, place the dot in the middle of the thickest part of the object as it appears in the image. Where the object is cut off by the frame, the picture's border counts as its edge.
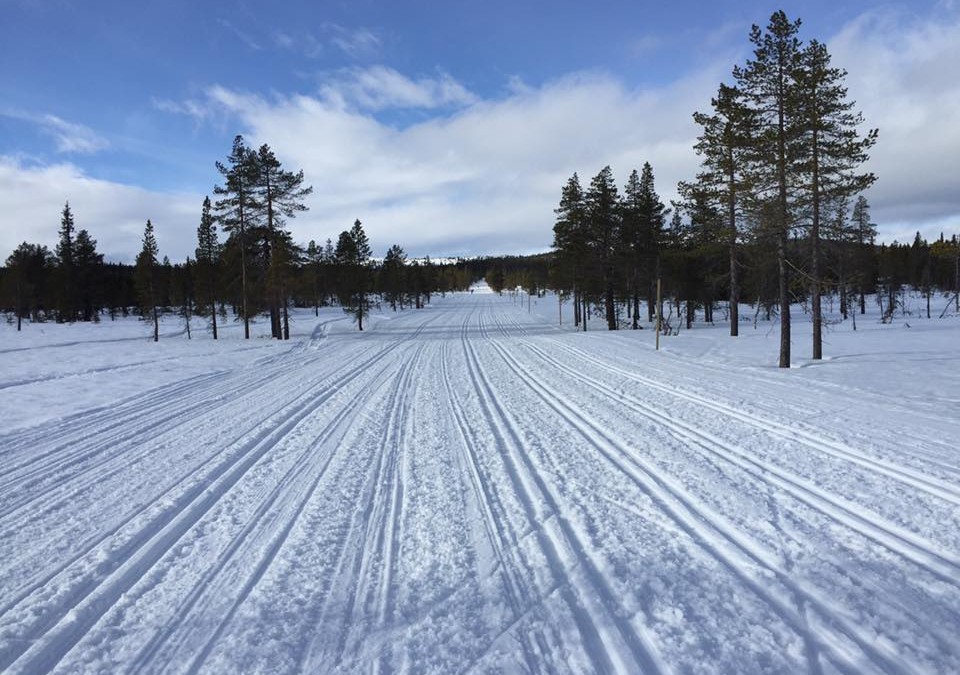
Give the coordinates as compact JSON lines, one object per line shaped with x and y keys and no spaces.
{"x":470,"y":488}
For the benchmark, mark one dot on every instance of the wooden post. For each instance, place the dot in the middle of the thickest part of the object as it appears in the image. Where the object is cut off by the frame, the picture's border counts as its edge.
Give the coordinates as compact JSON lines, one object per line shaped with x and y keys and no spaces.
{"x":659,"y":313}
{"x":560,"y":306}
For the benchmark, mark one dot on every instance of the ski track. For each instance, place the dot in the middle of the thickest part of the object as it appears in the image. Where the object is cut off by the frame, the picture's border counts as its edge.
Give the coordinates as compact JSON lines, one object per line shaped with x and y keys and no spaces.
{"x":795,"y":434}
{"x":43,"y":642}
{"x":145,"y":536}
{"x":92,"y":478}
{"x":514,"y":573}
{"x":691,"y":371}
{"x":687,"y":513}
{"x":684,"y":509}
{"x":604,"y":634}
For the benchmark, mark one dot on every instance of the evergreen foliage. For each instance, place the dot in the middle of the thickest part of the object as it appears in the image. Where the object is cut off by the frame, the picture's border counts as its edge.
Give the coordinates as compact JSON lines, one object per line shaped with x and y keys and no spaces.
{"x":147,"y":279}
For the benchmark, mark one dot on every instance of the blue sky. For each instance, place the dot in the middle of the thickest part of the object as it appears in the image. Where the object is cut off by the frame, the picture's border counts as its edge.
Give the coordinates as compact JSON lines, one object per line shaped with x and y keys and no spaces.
{"x":446,"y":127}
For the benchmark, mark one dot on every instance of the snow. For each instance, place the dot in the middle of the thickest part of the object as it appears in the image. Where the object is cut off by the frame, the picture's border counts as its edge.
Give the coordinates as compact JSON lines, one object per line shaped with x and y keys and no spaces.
{"x":472,"y":488}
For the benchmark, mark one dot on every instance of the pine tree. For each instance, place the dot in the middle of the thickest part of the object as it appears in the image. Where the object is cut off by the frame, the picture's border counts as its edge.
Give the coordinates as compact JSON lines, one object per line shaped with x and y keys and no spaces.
{"x":769,"y":89}
{"x":146,"y":278}
{"x":724,"y":147}
{"x":352,"y":256}
{"x":88,"y":271}
{"x":237,"y":211}
{"x":66,"y":304}
{"x":603,"y":226}
{"x":570,"y":242}
{"x":208,"y":254}
{"x":832,"y":151}
{"x":865,"y":235}
{"x":280,"y":194}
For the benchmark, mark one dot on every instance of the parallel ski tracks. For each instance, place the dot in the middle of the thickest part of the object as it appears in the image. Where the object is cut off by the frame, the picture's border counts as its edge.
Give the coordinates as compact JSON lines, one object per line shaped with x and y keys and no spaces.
{"x":366,"y":560}
{"x":734,"y":550}
{"x":519,"y":594}
{"x":373,"y":596}
{"x":42,"y":643}
{"x":614,"y":643}
{"x":794,"y":434}
{"x":270,"y":522}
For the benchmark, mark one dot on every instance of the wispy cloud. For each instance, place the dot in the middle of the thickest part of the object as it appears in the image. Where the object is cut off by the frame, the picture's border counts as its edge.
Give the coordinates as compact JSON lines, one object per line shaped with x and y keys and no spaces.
{"x":380,"y":88}
{"x":331,"y":39}
{"x":69,"y":137}
{"x":200,"y":111}
{"x":244,"y":37}
{"x":357,"y":43}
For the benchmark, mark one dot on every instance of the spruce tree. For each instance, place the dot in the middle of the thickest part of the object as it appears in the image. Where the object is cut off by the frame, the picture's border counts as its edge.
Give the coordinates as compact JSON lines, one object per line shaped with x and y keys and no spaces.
{"x":208,"y":254}
{"x":352,"y":255}
{"x":66,"y":303}
{"x":392,"y":281}
{"x":147,"y":278}
{"x":634,"y":240}
{"x":865,"y":234}
{"x":315,"y":266}
{"x":570,"y":242}
{"x":280,"y":194}
{"x":603,"y":218}
{"x":27,"y":270}
{"x":88,"y":272}
{"x":653,"y":213}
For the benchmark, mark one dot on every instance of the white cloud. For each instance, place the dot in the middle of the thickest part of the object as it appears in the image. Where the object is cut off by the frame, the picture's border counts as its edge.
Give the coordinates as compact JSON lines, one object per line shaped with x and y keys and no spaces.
{"x":483,"y":179}
{"x":114,"y":214}
{"x":484,"y":175}
{"x":903,"y":76}
{"x":357,"y":43}
{"x":70,"y":137}
{"x":380,"y":88}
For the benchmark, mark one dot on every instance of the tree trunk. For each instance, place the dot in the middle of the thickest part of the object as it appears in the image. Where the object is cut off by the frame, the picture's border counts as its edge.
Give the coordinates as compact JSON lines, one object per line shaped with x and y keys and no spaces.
{"x":734,"y":290}
{"x":213,"y":315}
{"x":611,"y":311}
{"x":784,"y":292}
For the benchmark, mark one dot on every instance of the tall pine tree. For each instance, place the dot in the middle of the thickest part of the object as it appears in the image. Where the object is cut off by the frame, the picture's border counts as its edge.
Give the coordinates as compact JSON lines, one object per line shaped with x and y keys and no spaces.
{"x":767,"y":82}
{"x":237,"y":210}
{"x":147,"y":279}
{"x":832,"y":152}
{"x":208,"y":253}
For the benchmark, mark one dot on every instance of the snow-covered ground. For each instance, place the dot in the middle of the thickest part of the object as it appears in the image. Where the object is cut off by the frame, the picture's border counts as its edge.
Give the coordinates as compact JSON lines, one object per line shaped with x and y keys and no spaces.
{"x":471,"y":488}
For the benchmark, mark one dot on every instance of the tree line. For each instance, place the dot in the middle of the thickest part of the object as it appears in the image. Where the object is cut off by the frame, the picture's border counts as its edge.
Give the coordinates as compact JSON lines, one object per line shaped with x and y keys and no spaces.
{"x":775,"y":215}
{"x":257,"y":268}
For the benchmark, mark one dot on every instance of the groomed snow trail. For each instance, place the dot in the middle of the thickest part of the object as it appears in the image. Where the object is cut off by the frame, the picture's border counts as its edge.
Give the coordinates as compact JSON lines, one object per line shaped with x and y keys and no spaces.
{"x":467,"y":489}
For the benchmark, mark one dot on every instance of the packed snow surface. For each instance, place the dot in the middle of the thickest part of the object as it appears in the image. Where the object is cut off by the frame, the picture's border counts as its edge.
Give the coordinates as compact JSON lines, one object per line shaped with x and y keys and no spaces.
{"x":472,"y":488}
